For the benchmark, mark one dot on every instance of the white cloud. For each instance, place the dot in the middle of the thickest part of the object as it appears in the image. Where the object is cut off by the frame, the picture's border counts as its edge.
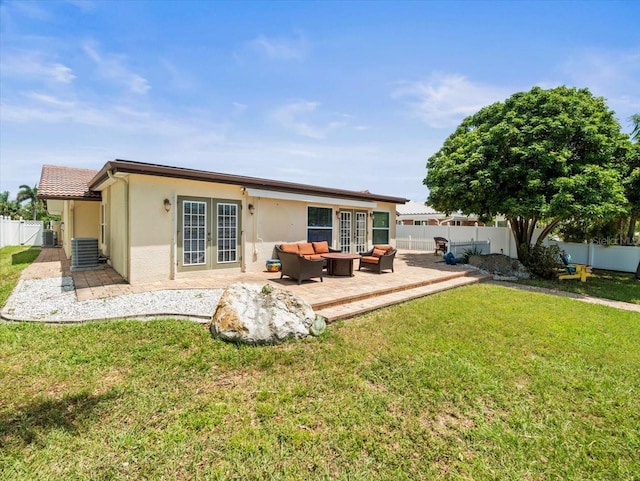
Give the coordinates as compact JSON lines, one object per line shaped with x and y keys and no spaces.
{"x":32,"y":65}
{"x":444,"y":100}
{"x":112,"y":67}
{"x":304,"y":118}
{"x":289,"y":116}
{"x":612,"y":75}
{"x":294,"y":48}
{"x":239,"y":108}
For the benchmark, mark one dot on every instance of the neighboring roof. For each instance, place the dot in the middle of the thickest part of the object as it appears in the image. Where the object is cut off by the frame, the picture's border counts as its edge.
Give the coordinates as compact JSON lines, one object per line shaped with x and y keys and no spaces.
{"x":66,"y":183}
{"x":132,"y":167}
{"x":415,"y":208}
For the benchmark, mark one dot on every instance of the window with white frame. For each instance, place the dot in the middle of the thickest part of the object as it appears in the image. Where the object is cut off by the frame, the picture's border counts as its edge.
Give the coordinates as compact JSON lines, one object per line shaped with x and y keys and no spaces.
{"x":319,"y":224}
{"x":380,"y":232}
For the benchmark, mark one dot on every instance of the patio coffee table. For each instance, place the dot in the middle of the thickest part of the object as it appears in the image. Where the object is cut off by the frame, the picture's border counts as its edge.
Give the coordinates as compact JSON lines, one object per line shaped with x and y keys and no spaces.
{"x":340,"y":263}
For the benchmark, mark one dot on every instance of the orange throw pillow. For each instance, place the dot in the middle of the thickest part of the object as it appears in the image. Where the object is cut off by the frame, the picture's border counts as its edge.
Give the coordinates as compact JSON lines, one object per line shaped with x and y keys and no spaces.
{"x":321,"y":247}
{"x":378,"y":252}
{"x":306,"y":249}
{"x":385,"y":248}
{"x":292,"y":248}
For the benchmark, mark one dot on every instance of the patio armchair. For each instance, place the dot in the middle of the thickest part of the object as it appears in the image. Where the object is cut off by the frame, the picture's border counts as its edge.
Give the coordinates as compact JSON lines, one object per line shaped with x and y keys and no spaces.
{"x":441,"y":245}
{"x":574,"y":271}
{"x":297,"y":267}
{"x":378,"y":259}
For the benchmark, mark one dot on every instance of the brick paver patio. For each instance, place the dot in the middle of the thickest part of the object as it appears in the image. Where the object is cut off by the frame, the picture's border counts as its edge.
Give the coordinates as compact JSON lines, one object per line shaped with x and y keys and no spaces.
{"x":414,"y":273}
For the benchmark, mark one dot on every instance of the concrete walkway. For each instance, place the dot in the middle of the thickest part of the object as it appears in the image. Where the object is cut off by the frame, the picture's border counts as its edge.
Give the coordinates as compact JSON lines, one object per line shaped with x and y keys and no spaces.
{"x":416,"y":275}
{"x":625,"y":306}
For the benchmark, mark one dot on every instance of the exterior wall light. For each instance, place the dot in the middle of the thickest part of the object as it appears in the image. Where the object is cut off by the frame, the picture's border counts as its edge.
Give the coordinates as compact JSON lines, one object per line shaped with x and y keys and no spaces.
{"x":251,"y":208}
{"x":372,"y":215}
{"x":167,"y":205}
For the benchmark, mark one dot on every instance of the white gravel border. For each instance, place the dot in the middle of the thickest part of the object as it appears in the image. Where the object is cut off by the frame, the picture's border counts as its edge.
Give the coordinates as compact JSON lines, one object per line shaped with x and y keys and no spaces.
{"x":53,"y":300}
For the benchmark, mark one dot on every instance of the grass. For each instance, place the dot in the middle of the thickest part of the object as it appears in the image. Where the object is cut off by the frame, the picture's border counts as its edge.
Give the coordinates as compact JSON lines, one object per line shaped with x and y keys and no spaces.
{"x":13,"y":260}
{"x":618,"y":286}
{"x":483,"y":382}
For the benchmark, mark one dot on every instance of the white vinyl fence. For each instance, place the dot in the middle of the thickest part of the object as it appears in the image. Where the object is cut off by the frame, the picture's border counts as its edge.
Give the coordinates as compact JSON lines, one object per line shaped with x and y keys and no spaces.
{"x":499,"y":240}
{"x":20,"y":232}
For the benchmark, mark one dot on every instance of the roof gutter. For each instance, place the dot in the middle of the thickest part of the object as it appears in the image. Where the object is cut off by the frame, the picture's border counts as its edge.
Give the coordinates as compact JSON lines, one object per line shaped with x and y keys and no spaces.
{"x":130,"y":167}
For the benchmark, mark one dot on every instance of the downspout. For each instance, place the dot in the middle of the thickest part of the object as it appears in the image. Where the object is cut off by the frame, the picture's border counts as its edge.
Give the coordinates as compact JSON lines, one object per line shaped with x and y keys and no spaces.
{"x":126,"y":240}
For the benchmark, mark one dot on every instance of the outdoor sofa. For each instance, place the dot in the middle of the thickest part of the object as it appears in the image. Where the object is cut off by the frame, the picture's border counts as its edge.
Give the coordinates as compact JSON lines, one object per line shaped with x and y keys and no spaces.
{"x":378,"y":259}
{"x":303,"y":261}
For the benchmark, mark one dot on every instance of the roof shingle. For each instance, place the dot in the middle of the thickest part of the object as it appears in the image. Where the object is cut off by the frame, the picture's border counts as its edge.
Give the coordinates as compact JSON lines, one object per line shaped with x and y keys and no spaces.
{"x":66,"y":183}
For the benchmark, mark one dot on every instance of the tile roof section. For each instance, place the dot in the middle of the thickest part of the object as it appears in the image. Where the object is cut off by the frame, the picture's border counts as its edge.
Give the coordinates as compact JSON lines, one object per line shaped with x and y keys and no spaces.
{"x":66,"y":183}
{"x":132,"y":167}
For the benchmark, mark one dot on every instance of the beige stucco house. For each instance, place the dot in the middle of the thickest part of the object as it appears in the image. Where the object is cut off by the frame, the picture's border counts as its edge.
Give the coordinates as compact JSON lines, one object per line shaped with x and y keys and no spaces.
{"x":157,"y":222}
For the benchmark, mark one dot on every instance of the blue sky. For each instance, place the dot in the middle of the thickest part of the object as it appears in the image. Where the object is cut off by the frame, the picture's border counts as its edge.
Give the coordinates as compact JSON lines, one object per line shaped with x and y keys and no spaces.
{"x":353,"y":95}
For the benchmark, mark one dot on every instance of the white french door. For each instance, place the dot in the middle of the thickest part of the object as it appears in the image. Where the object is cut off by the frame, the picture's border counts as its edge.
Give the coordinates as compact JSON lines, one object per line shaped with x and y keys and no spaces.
{"x":208,"y":233}
{"x":353,"y":231}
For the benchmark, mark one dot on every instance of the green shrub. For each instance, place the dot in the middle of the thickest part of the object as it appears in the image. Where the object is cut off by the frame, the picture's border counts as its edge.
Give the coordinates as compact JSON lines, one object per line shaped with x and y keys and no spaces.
{"x":543,"y":261}
{"x":468,"y":253}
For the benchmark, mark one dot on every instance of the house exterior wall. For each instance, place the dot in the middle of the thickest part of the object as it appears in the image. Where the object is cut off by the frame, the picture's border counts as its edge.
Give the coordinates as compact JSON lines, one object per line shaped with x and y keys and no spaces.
{"x":277,"y":221}
{"x":86,"y":219}
{"x":141,"y":236}
{"x":116,"y":245}
{"x":81,"y":219}
{"x":153,"y":230}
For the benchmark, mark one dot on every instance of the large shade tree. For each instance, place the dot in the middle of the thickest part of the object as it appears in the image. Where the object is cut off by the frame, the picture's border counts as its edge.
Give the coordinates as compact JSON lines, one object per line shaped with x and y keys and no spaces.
{"x":540,"y":156}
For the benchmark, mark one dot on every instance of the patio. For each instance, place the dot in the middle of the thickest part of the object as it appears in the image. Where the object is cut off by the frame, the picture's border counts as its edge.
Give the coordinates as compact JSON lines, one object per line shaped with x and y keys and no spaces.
{"x":416,"y":274}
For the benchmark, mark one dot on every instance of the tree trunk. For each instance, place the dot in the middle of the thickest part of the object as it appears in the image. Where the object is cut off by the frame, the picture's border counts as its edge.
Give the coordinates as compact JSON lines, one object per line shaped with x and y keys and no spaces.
{"x":523,"y":230}
{"x":632,"y":229}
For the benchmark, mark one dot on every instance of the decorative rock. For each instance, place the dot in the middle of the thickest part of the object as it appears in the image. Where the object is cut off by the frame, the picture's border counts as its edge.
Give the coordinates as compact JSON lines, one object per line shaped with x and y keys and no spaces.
{"x":500,"y":265}
{"x":319,"y":325}
{"x":251,"y":314}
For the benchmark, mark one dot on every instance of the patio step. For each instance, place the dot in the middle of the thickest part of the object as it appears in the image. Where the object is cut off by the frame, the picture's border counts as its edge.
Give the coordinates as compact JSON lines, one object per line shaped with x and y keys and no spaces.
{"x":345,"y":308}
{"x":388,"y":290}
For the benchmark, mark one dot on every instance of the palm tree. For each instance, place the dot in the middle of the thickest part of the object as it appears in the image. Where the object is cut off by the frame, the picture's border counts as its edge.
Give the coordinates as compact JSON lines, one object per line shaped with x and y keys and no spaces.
{"x":31,"y":194}
{"x":635,"y":122}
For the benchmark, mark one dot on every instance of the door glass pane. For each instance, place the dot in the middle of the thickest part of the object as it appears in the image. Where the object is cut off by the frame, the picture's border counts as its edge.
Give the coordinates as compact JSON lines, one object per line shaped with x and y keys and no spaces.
{"x":361,"y":231}
{"x":193,"y":242}
{"x":227,"y":233}
{"x":345,"y":231}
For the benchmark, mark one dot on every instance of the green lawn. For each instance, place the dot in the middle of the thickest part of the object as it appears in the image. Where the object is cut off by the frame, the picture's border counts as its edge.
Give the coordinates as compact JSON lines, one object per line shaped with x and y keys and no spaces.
{"x":13,"y":259}
{"x":482,"y":382}
{"x":619,"y":286}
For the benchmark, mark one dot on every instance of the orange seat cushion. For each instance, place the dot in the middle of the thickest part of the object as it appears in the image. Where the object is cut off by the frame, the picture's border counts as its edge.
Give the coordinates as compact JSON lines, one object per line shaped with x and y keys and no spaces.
{"x":292,"y":248}
{"x":313,"y":257}
{"x":306,"y":248}
{"x":370,"y":259}
{"x":321,"y":247}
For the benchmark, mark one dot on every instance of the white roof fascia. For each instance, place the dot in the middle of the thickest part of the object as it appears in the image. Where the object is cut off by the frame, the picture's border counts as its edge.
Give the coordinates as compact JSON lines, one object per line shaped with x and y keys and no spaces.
{"x":310,"y":199}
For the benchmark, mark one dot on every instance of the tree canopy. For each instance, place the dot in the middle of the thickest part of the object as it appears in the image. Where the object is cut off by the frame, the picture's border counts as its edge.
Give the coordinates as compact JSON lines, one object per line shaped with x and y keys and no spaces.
{"x":543,"y":155}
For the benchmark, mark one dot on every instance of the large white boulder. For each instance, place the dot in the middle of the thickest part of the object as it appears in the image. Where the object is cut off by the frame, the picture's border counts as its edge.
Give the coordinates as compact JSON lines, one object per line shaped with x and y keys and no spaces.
{"x":253,"y":314}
